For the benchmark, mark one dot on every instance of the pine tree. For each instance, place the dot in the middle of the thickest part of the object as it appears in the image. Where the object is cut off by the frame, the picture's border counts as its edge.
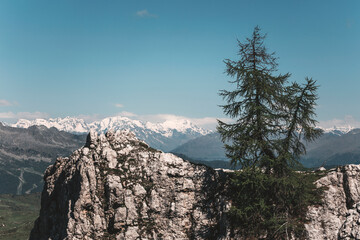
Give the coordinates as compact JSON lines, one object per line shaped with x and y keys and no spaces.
{"x":271,"y":117}
{"x":299,"y":122}
{"x":272,"y":120}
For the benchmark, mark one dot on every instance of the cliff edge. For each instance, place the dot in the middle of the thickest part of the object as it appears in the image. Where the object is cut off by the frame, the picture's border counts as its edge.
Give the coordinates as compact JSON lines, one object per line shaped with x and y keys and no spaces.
{"x":117,"y":187}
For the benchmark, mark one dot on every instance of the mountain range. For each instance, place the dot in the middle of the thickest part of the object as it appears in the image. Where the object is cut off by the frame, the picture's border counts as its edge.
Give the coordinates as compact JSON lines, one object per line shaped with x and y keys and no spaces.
{"x":204,"y":148}
{"x":28,"y":147}
{"x":164,"y":136}
{"x":26,"y":153}
{"x":335,"y":147}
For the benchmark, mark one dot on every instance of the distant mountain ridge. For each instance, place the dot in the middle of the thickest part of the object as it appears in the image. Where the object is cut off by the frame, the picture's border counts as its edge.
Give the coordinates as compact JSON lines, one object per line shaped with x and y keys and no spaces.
{"x":67,"y":124}
{"x":337,"y":146}
{"x":338,"y":130}
{"x":165,"y":136}
{"x":204,"y":148}
{"x":25,"y":153}
{"x":334,"y":149}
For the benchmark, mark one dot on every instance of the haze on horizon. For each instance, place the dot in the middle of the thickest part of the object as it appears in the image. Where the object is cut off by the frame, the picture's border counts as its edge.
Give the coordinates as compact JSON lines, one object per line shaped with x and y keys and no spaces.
{"x":157,"y":60}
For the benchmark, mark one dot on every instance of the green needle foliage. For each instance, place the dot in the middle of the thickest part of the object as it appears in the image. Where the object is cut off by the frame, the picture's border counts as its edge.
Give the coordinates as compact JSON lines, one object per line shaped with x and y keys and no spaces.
{"x":273,"y":119}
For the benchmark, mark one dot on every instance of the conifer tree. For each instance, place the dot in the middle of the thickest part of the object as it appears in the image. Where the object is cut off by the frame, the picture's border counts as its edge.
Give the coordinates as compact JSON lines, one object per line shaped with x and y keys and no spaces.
{"x":273,"y":118}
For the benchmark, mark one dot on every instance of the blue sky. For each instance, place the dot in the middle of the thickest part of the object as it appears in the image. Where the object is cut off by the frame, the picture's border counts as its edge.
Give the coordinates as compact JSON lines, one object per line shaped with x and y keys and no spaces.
{"x":156,"y":59}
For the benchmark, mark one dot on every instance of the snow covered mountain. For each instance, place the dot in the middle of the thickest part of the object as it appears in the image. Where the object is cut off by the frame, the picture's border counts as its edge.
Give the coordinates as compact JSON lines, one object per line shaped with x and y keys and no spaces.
{"x":68,"y":124}
{"x":338,"y":130}
{"x":165,"y":136}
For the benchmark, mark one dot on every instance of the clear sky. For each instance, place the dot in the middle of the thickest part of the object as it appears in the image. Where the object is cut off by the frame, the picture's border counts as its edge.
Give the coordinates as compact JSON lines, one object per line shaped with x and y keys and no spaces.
{"x":162,"y":58}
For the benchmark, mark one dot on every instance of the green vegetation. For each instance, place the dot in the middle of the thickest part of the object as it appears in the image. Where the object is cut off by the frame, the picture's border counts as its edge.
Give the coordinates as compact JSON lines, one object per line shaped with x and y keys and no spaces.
{"x":17,"y":215}
{"x":272,"y":207}
{"x":273,"y":118}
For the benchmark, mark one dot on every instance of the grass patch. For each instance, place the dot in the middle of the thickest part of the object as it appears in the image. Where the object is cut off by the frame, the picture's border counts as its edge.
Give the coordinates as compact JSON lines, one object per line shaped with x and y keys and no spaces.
{"x":17,"y":215}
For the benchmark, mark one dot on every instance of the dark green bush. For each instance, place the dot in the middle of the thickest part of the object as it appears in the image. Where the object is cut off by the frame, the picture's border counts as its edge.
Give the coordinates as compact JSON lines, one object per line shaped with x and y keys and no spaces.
{"x":265,"y":206}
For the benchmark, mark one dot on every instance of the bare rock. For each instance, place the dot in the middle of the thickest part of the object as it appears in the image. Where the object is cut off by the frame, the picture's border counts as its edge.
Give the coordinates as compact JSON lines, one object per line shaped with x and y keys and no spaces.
{"x":338,"y":216}
{"x":117,"y":187}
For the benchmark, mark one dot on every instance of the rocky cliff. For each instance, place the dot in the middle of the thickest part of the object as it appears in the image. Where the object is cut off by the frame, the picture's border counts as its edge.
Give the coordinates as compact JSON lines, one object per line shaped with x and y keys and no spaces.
{"x":117,"y":187}
{"x":339,"y":215}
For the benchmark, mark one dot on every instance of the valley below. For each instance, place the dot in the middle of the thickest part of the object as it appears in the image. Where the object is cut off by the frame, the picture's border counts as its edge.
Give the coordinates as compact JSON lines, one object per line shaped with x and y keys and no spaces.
{"x":17,"y":215}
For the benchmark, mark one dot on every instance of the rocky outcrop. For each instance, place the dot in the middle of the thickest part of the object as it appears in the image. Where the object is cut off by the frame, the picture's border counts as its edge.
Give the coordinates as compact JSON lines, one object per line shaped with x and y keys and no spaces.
{"x":117,"y":187}
{"x":339,"y":215}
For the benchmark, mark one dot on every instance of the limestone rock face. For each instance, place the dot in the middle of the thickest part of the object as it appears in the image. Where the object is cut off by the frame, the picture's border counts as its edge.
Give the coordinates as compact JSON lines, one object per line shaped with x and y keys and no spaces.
{"x":339,"y":215}
{"x":117,"y":187}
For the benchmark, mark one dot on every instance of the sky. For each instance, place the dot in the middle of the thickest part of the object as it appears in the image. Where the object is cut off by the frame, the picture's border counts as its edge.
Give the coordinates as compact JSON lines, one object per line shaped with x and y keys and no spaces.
{"x":164,"y":59}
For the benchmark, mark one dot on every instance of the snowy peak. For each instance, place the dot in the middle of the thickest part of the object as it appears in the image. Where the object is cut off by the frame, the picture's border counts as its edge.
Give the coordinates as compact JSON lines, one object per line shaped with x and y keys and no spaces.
{"x":77,"y":125}
{"x":165,"y":136}
{"x":67,"y":124}
{"x":114,"y":123}
{"x":182,"y":125}
{"x":338,"y":130}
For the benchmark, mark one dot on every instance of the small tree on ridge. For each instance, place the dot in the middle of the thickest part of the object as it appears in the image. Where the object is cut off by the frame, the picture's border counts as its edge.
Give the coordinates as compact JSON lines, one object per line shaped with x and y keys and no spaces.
{"x":271,"y":117}
{"x":272,"y":120}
